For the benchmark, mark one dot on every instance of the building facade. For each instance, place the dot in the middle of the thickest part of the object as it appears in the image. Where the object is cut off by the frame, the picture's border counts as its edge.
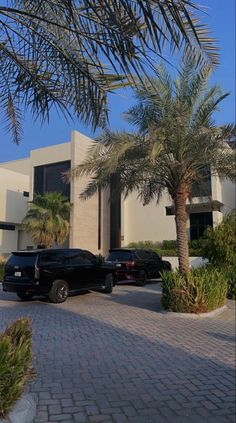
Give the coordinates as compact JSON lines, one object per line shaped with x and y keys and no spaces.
{"x":105,"y":220}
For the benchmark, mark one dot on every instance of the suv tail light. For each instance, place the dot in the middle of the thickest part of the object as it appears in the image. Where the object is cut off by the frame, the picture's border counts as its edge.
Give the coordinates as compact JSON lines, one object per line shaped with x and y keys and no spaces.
{"x":129,"y":264}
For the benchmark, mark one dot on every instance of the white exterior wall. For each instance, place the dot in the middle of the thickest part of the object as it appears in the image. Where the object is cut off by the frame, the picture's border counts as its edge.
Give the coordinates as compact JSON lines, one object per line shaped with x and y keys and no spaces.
{"x":13,"y":206}
{"x":146,"y":223}
{"x":193,"y":261}
{"x":8,"y":242}
{"x":19,"y":166}
{"x":228,"y":196}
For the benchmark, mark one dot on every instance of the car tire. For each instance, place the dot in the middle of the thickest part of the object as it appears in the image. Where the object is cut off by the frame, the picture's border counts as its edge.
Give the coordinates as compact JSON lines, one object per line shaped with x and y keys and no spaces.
{"x":25,"y":296}
{"x":59,"y":291}
{"x":108,"y":283}
{"x":142,"y":278}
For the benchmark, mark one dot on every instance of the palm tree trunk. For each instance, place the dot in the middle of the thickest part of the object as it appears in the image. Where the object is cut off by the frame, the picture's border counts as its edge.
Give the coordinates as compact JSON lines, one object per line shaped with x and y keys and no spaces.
{"x":181,"y":230}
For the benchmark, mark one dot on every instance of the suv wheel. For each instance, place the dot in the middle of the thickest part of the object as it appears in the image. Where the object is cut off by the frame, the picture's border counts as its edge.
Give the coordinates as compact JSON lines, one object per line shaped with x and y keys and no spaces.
{"x":108,"y":284}
{"x":59,"y":291}
{"x":25,"y":296}
{"x":142,"y":278}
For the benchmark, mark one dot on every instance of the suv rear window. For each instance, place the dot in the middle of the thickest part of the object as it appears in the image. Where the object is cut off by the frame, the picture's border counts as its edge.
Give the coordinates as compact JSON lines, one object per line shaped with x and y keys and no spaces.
{"x":22,"y":260}
{"x":51,"y":258}
{"x":120,"y":256}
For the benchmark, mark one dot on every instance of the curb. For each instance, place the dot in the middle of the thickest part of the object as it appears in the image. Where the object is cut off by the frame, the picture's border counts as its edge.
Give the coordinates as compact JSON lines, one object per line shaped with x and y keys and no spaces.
{"x":213,"y":313}
{"x":24,"y":411}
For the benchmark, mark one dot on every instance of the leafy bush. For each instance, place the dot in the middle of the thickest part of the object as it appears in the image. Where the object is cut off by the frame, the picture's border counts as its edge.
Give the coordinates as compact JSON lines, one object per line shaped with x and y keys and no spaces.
{"x":230,"y":274}
{"x":100,"y":257}
{"x":169,"y":244}
{"x":169,"y":247}
{"x":1,"y":271}
{"x":144,"y":244}
{"x":220,"y":244}
{"x":15,"y":363}
{"x":197,"y":291}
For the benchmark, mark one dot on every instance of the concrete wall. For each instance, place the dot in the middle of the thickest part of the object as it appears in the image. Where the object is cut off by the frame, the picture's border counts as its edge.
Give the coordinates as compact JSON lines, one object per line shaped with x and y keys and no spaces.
{"x":84,"y":214}
{"x":228,"y":196}
{"x":19,"y":166}
{"x":13,"y":204}
{"x":146,"y":222}
{"x":194,"y":261}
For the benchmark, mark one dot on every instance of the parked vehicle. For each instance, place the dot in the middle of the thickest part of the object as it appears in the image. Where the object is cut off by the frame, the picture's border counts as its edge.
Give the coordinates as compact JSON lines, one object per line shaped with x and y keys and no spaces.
{"x":137,"y":264}
{"x":55,"y":273}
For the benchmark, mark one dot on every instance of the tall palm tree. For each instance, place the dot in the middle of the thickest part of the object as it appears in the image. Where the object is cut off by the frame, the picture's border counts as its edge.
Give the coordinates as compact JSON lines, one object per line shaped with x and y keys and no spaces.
{"x":47,"y":219}
{"x":71,"y":53}
{"x":176,"y":140}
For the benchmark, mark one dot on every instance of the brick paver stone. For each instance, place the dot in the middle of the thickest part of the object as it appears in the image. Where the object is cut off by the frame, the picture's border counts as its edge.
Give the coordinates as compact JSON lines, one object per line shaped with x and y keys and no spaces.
{"x":119,"y":358}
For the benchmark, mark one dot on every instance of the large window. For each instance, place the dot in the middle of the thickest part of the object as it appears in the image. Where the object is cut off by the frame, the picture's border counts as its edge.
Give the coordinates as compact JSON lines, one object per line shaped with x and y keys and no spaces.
{"x":48,"y":178}
{"x":203,"y":187}
{"x":198,"y":224}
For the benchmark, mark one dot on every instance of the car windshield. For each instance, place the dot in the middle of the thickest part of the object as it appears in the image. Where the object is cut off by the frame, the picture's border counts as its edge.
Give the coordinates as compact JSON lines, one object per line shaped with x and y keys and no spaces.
{"x":22,"y":260}
{"x":119,"y":256}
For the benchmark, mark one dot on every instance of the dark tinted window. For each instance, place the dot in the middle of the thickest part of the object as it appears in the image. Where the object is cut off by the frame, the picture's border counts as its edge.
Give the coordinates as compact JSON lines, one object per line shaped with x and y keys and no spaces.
{"x":120,"y":256}
{"x":85,"y":257}
{"x":199,"y":223}
{"x":203,"y":187}
{"x":50,"y":258}
{"x":89,"y":256}
{"x":7,"y":227}
{"x":48,"y":178}
{"x":26,"y":260}
{"x":155,"y":256}
{"x":144,"y":254}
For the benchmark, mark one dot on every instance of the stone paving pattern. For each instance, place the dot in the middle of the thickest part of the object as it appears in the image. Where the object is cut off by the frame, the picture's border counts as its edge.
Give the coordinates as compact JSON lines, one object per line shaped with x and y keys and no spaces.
{"x":118,"y":358}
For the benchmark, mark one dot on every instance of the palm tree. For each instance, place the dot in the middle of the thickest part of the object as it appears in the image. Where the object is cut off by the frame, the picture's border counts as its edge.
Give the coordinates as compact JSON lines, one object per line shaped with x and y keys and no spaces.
{"x":176,"y":140}
{"x":70,"y":54}
{"x":47,"y":219}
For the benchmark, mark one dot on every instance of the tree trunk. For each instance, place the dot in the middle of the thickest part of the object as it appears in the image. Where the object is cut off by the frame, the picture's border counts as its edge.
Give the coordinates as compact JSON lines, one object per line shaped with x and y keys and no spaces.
{"x":181,"y":230}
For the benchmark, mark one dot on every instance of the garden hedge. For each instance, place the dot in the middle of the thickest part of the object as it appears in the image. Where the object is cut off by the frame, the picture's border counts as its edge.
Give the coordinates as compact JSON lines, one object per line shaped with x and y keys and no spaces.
{"x":15,"y":363}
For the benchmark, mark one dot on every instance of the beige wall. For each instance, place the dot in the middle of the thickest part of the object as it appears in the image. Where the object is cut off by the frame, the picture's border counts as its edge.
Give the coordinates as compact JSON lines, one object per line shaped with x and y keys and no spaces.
{"x":13,"y":204}
{"x":20,"y":166}
{"x":142,"y":223}
{"x":8,"y":242}
{"x":84,"y":214}
{"x":228,"y":196}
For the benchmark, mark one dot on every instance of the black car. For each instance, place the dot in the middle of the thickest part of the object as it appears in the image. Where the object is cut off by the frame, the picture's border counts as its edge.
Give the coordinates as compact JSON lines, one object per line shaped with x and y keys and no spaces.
{"x":137,"y":264}
{"x":55,"y":273}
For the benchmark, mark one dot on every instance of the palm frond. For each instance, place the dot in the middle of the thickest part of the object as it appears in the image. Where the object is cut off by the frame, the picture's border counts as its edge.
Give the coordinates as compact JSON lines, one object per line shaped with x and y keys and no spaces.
{"x":52,"y":53}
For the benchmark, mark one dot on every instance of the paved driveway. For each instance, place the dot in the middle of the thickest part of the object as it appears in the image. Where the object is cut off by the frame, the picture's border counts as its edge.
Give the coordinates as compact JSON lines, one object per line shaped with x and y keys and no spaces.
{"x":119,"y":359}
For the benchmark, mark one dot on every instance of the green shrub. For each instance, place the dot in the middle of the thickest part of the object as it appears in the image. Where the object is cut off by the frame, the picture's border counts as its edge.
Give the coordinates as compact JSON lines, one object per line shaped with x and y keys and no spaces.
{"x":197,"y":291}
{"x":220,"y":244}
{"x":168,"y":247}
{"x":15,"y":363}
{"x":144,"y":244}
{"x":230,"y":274}
{"x":1,"y":271}
{"x":169,"y":244}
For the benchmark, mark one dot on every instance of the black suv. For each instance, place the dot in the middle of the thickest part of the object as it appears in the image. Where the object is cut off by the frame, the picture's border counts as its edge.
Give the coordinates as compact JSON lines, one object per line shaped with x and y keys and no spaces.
{"x":55,"y":272}
{"x":137,"y":264}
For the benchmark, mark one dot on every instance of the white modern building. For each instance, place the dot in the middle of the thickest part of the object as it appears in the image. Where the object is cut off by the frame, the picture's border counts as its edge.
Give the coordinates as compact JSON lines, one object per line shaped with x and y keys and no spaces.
{"x":104,"y":220}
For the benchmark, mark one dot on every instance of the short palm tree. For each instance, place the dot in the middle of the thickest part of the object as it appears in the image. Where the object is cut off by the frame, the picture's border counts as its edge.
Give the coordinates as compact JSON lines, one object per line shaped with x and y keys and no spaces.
{"x":47,"y":219}
{"x":176,"y":140}
{"x":70,"y":54}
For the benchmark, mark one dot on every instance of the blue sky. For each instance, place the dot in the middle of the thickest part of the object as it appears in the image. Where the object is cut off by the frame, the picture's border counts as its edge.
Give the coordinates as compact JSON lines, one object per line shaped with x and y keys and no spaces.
{"x":221,"y":19}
